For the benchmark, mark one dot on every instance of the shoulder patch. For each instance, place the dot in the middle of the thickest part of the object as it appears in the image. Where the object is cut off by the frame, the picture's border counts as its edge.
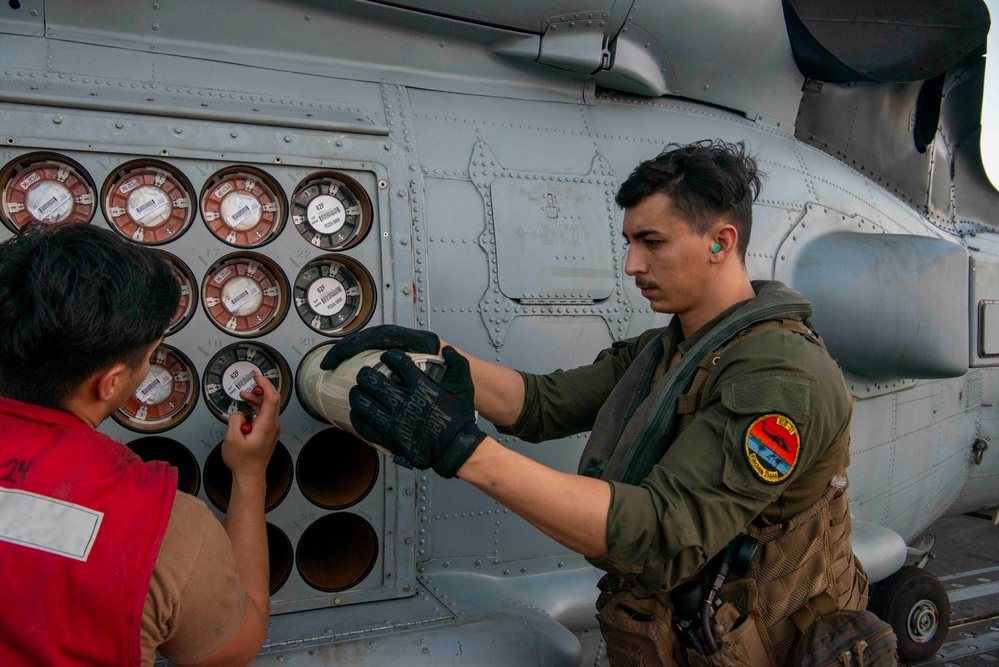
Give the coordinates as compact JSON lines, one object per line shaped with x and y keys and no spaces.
{"x":772,"y":444}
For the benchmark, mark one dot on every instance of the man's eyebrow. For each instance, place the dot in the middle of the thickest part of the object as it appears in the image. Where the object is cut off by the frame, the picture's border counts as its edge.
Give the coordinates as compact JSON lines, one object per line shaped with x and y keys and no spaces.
{"x":640,"y":234}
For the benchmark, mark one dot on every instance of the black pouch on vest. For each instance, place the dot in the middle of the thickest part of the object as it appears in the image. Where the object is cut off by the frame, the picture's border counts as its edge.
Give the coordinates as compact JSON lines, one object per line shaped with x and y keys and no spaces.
{"x":847,"y":639}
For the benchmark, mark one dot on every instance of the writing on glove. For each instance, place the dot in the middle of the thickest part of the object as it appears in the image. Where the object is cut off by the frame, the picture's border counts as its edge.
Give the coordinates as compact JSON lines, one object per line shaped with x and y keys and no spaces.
{"x":423,"y":422}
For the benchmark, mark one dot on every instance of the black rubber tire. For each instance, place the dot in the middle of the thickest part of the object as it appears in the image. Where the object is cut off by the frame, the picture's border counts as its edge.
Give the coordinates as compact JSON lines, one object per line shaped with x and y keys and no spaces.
{"x":915,"y":604}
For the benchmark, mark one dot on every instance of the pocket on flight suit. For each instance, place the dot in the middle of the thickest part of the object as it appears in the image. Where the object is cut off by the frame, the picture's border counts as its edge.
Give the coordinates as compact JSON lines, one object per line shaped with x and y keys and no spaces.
{"x":639,"y":632}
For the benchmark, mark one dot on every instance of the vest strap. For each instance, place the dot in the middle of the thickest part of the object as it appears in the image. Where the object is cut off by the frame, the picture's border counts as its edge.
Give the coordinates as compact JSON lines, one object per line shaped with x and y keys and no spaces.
{"x":821,"y":605}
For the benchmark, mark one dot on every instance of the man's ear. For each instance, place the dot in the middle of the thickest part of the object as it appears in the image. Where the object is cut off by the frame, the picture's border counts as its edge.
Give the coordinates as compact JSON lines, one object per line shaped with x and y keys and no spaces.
{"x":108,"y":383}
{"x":726,"y":236}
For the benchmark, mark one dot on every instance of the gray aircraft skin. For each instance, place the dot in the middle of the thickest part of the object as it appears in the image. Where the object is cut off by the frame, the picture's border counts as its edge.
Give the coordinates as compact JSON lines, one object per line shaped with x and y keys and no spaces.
{"x":452,"y":166}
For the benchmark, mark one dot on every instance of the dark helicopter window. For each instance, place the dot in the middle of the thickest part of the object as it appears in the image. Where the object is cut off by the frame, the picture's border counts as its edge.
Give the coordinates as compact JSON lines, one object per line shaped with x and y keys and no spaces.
{"x":928,"y":111}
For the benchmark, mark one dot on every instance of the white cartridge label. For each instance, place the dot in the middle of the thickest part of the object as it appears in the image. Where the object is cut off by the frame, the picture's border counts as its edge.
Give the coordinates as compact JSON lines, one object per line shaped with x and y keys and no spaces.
{"x":223,"y":189}
{"x":240,"y":211}
{"x":326,"y":214}
{"x":327,"y":296}
{"x":47,"y":200}
{"x":222,"y":275}
{"x":128,"y":186}
{"x":149,"y":206}
{"x":239,"y":377}
{"x":30,"y":180}
{"x":241,"y":293}
{"x":157,"y":386}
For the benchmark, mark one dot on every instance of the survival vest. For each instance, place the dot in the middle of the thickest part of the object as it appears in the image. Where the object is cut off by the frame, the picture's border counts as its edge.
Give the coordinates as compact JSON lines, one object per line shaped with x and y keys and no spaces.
{"x":81,"y":522}
{"x":807,"y":557}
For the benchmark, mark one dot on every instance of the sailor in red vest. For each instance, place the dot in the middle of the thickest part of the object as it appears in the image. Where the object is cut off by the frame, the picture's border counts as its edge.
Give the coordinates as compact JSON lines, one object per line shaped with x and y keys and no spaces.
{"x":104,"y":560}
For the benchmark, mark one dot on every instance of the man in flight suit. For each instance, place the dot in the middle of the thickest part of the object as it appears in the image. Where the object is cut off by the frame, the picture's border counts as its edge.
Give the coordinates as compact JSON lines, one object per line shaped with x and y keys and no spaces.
{"x":105,"y":561}
{"x":732,"y":418}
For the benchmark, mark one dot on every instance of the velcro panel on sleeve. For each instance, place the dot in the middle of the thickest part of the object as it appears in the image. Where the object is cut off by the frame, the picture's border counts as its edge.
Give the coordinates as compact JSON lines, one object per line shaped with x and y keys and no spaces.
{"x":787,"y":393}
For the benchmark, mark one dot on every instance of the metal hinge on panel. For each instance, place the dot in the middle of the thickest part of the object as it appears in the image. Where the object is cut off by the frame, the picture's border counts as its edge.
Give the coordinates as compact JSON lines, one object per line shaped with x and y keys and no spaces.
{"x":554,"y":301}
{"x":605,"y":58}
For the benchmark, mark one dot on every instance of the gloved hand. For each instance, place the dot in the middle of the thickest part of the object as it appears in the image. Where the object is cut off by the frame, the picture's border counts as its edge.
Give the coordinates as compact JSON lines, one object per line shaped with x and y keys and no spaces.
{"x":422,"y":422}
{"x":382,"y":337}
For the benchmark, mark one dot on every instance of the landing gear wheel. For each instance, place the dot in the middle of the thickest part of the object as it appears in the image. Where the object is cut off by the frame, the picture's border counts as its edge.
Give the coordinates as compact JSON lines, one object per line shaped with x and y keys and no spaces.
{"x":915,"y":604}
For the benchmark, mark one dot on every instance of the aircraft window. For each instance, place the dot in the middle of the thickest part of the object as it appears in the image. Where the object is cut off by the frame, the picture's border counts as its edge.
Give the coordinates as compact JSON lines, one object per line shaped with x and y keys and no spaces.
{"x":928,"y":111}
{"x":245,"y":294}
{"x":334,"y":295}
{"x":243,"y":207}
{"x":46,"y":188}
{"x":331,"y":210}
{"x":165,"y":397}
{"x":188,"y":293}
{"x":231,"y":370}
{"x":148,"y":201}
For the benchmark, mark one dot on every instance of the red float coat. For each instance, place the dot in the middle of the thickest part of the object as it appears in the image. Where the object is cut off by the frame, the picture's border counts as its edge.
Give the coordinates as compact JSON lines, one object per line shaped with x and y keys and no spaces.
{"x":81,"y":522}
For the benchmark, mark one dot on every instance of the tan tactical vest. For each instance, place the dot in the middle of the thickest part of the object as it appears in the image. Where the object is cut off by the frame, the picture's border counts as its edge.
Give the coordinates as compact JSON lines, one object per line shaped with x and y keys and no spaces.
{"x":807,"y":555}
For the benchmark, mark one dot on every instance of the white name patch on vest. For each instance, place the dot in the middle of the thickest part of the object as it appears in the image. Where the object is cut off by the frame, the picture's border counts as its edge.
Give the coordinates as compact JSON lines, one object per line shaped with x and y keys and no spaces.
{"x":47,"y":524}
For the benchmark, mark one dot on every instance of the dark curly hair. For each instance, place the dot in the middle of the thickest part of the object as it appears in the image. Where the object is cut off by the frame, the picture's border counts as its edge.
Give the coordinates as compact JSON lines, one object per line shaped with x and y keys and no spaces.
{"x":75,"y":300}
{"x":703,"y":180}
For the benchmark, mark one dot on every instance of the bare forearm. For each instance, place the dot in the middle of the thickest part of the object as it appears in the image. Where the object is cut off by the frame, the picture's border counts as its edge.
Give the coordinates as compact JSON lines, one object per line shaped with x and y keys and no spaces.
{"x":246,"y":527}
{"x":569,"y":508}
{"x":499,"y":391}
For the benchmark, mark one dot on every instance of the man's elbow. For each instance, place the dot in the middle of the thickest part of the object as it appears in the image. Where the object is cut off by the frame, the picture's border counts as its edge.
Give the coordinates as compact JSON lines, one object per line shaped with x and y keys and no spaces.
{"x":242,"y":648}
{"x":594,"y":550}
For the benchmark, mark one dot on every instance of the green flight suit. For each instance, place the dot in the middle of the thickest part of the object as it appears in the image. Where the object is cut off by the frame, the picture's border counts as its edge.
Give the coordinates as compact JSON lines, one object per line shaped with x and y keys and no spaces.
{"x":704,"y":491}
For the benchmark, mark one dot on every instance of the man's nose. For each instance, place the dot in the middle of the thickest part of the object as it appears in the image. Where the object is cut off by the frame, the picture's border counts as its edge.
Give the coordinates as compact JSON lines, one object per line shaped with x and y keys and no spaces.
{"x":633,"y":265}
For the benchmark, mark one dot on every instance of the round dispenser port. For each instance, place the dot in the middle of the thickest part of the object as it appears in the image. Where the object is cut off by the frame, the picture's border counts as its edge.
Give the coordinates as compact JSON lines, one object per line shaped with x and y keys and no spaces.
{"x":218,"y":478}
{"x":188,"y":293}
{"x":46,"y":188}
{"x":336,"y":469}
{"x":158,"y":448}
{"x":231,"y":371}
{"x":245,"y":294}
{"x":334,"y":295}
{"x":148,"y":201}
{"x":336,"y":552}
{"x":281,"y":557}
{"x":331,"y":210}
{"x":165,"y":397}
{"x":243,"y":206}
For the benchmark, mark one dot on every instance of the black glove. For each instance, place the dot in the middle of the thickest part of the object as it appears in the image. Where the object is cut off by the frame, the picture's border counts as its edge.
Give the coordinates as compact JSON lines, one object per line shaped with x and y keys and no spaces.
{"x":382,"y":337}
{"x":422,"y":422}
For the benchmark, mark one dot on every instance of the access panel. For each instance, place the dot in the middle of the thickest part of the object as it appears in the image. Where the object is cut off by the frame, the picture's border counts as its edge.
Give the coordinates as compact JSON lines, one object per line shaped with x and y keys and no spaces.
{"x":275,"y":255}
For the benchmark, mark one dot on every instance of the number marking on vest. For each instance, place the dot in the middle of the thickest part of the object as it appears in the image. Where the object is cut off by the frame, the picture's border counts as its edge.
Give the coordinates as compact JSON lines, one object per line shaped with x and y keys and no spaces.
{"x":15,"y":470}
{"x":772,"y":444}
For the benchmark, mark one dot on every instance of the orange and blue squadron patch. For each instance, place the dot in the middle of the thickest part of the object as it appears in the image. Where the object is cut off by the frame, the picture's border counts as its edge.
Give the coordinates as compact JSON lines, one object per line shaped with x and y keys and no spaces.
{"x":772,"y":444}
